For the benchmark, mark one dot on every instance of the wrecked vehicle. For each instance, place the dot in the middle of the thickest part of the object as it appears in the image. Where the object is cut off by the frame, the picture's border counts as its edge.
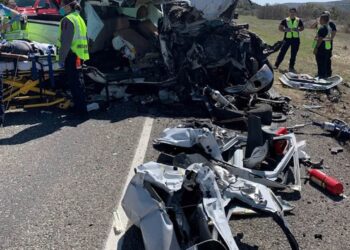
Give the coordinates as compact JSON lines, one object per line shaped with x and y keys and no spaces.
{"x":214,"y":53}
{"x":192,"y":205}
{"x":176,"y":50}
{"x":213,"y":175}
{"x":179,"y":53}
{"x":262,"y":156}
{"x":185,"y":51}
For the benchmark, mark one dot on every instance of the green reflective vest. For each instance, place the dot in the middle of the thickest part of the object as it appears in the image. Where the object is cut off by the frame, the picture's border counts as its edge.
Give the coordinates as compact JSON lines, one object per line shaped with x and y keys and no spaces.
{"x":17,"y":30}
{"x":80,"y":43}
{"x":327,"y":40}
{"x":293,"y":26}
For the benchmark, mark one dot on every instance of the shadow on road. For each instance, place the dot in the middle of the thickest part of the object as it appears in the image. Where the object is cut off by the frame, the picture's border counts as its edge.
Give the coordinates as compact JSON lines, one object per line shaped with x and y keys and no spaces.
{"x":132,"y":239}
{"x":37,"y":125}
{"x":326,"y":193}
{"x":40,"y":123}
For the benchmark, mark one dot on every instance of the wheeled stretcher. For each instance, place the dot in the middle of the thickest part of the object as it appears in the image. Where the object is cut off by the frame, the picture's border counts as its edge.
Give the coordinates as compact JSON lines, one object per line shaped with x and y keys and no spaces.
{"x":29,"y":81}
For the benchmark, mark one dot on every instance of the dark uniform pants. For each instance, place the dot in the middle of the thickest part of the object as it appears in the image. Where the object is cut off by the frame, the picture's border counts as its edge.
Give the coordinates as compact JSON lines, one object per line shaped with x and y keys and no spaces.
{"x":324,"y":64}
{"x":76,"y":83}
{"x":329,"y":64}
{"x":294,"y":43}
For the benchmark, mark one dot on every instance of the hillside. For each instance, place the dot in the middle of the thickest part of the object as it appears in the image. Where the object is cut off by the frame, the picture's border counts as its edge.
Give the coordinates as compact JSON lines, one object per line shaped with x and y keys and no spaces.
{"x":343,"y":4}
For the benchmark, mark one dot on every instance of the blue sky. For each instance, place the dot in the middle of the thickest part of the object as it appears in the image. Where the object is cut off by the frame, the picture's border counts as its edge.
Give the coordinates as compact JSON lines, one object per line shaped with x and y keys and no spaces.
{"x":287,"y":1}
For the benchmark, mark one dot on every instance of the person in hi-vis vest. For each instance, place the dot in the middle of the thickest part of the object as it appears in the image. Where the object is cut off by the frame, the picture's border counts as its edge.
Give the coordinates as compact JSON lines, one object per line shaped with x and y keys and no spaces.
{"x":5,"y":24}
{"x":291,"y":27}
{"x":73,"y":51}
{"x":10,"y":20}
{"x":315,"y":25}
{"x":322,"y":46}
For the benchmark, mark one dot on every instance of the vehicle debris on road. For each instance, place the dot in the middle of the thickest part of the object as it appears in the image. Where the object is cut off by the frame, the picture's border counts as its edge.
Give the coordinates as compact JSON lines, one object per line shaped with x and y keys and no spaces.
{"x":338,"y":128}
{"x":193,"y":200}
{"x":306,"y":82}
{"x":336,"y":150}
{"x":217,"y":173}
{"x":191,"y":57}
{"x":194,"y":52}
{"x":182,"y":202}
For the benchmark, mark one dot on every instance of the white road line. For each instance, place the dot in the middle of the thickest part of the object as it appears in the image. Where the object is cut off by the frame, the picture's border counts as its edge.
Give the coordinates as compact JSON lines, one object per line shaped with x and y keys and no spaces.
{"x":120,"y":222}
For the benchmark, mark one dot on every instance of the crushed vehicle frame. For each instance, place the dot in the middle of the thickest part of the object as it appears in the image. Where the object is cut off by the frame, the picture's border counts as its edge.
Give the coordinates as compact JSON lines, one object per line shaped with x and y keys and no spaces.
{"x":208,"y":143}
{"x":192,"y":206}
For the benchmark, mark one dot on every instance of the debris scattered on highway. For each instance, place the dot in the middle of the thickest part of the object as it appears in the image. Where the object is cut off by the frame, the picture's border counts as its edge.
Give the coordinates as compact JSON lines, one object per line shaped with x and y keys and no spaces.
{"x":314,"y":165}
{"x":336,"y":150}
{"x":213,"y":168}
{"x":92,"y":106}
{"x":188,"y":56}
{"x":318,"y":236}
{"x":217,"y":172}
{"x":307,"y":82}
{"x":338,"y":128}
{"x":192,"y":202}
{"x":250,"y":155}
{"x":312,"y":106}
{"x":195,"y":56}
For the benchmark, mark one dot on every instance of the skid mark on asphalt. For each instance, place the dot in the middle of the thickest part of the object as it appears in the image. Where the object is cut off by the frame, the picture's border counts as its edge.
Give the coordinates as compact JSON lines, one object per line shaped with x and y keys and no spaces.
{"x":120,"y":219}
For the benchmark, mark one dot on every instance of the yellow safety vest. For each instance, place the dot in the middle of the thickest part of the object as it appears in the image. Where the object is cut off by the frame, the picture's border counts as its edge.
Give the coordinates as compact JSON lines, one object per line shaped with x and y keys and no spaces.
{"x":16,"y":31}
{"x":327,"y":40}
{"x":292,"y":25}
{"x":80,"y":42}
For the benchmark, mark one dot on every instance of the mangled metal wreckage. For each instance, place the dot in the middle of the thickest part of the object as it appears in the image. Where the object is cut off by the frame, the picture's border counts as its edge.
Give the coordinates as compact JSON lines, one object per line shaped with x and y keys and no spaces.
{"x":201,"y":52}
{"x":215,"y":172}
{"x":192,"y":200}
{"x":191,"y":48}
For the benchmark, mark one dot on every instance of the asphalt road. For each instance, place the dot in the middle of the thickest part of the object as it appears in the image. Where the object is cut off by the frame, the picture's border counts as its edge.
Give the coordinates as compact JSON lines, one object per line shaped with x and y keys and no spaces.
{"x":61,"y":178}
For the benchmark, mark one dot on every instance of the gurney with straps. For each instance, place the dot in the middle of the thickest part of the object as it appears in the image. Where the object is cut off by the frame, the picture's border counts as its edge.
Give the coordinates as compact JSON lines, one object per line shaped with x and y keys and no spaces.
{"x":25,"y":88}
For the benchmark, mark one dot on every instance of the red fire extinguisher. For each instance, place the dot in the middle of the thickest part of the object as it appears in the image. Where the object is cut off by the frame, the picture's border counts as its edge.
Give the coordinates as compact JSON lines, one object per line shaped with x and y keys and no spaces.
{"x":331,"y":184}
{"x":282,"y":131}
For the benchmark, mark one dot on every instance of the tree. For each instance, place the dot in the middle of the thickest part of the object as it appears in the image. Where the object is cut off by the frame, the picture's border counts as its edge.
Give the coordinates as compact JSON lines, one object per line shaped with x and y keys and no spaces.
{"x":276,"y":12}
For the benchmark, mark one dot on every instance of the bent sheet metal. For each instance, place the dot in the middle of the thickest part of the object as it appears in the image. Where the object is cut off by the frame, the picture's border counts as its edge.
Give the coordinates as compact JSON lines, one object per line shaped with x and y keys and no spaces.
{"x":182,"y":202}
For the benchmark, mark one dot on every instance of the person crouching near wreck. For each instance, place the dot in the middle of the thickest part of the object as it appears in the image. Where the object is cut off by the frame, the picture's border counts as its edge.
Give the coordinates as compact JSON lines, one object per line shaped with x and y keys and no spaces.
{"x":291,"y":26}
{"x":73,"y":50}
{"x":322,"y":46}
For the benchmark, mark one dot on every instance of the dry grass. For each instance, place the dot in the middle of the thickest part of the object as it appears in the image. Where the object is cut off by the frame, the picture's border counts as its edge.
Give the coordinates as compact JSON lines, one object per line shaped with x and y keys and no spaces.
{"x":267,"y":29}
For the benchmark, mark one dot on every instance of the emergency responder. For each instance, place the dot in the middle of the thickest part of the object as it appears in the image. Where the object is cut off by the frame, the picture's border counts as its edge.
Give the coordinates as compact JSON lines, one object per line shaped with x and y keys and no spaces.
{"x":291,"y":26}
{"x":331,"y":24}
{"x":14,"y":25}
{"x":333,"y":29}
{"x":5,"y":12}
{"x":73,"y":50}
{"x":322,"y":46}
